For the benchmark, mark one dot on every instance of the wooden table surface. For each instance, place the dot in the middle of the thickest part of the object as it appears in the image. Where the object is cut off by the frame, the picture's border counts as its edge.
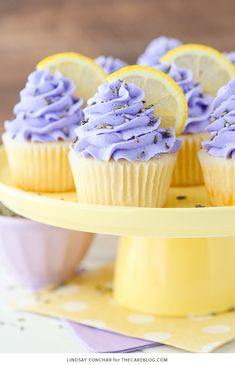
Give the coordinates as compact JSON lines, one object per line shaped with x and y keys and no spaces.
{"x":31,"y":29}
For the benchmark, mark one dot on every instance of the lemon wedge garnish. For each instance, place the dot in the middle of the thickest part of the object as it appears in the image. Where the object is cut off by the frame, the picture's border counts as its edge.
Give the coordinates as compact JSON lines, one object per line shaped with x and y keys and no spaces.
{"x":82,"y":70}
{"x":210,"y":67}
{"x":160,"y":91}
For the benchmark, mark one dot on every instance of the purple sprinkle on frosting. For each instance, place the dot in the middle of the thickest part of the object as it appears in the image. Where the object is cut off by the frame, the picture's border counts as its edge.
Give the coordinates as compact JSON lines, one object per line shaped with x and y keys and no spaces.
{"x":47,"y":110}
{"x":119,"y":125}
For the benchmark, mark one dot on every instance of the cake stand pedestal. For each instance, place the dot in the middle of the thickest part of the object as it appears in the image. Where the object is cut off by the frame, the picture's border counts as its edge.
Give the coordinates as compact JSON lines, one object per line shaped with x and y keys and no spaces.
{"x":176,"y":277}
{"x":174,"y":261}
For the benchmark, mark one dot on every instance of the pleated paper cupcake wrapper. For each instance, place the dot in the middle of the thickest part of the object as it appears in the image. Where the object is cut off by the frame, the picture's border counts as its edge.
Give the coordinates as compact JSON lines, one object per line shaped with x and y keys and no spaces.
{"x":219,"y":176}
{"x":41,"y":167}
{"x":88,"y":300}
{"x":41,"y":255}
{"x":187,"y":170}
{"x":123,"y":183}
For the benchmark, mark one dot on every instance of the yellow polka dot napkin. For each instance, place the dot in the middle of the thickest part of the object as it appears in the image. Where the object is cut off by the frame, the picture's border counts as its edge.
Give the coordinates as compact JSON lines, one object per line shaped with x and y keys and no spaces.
{"x":88,"y":299}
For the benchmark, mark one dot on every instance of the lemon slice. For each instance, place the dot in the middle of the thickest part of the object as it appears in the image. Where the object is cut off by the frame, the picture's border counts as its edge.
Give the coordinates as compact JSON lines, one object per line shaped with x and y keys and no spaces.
{"x":82,"y":70}
{"x":209,"y":66}
{"x":160,"y":90}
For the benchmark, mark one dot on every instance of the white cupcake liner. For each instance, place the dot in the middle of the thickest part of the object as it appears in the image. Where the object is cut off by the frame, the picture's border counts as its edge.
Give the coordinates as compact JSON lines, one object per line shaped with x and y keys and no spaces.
{"x":123,"y":183}
{"x":41,"y":167}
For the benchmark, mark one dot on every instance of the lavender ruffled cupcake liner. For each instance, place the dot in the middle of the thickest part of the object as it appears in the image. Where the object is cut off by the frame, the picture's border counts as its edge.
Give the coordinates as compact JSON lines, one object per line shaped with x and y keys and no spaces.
{"x":41,"y":255}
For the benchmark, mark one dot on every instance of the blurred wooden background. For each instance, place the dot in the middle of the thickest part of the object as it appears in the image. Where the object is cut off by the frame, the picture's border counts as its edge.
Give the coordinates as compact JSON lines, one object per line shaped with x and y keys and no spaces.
{"x":32,"y":29}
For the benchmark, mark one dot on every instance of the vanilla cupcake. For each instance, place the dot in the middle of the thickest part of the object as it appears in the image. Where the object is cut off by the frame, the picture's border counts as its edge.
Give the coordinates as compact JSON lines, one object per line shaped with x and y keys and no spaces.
{"x":218,"y":155}
{"x":110,"y":64}
{"x":156,"y":49}
{"x":187,"y":171}
{"x":37,"y":140}
{"x":121,"y":155}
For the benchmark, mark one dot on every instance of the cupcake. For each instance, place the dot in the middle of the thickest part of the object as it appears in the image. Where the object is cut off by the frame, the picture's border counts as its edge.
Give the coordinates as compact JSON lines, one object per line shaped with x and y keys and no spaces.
{"x":187,"y":171}
{"x":218,"y":154}
{"x":37,"y":139}
{"x":121,"y":155}
{"x":110,"y":64}
{"x":230,"y":56}
{"x":156,"y":49}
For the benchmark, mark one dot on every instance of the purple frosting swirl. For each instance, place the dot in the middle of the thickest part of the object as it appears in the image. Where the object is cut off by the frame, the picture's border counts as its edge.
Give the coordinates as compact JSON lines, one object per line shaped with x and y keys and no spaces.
{"x":119,"y":125}
{"x":222,"y":127}
{"x":47,"y":110}
{"x":110,"y":64}
{"x":230,"y":56}
{"x":199,"y":105}
{"x":156,"y":49}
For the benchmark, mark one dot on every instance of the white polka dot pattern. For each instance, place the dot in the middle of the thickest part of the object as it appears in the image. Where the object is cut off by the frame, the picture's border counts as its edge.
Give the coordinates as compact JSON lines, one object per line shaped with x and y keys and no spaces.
{"x":217,"y":329}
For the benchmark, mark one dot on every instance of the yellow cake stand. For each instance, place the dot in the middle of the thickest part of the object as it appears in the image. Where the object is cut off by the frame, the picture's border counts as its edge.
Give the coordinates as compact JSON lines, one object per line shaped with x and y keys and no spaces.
{"x":174,"y":261}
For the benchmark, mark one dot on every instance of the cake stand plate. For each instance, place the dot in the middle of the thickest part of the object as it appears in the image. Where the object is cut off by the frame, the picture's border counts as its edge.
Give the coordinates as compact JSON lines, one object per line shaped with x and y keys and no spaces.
{"x":175,"y":261}
{"x":186,"y":215}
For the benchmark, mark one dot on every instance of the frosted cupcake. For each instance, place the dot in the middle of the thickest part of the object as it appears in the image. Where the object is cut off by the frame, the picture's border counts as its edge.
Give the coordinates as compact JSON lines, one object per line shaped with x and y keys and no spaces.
{"x":156,"y":49}
{"x":110,"y":64}
{"x":218,"y":154}
{"x":37,"y":140}
{"x":187,"y":171}
{"x":121,"y":155}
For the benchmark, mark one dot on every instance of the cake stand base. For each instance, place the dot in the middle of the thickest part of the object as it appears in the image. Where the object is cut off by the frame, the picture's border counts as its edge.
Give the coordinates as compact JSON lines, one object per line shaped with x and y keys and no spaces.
{"x":176,"y":277}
